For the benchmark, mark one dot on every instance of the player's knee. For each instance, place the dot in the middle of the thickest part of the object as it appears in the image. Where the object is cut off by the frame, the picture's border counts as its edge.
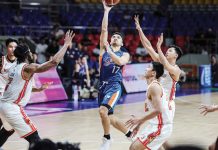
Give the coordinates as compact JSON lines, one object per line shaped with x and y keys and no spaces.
{"x":212,"y":147}
{"x":103,"y":111}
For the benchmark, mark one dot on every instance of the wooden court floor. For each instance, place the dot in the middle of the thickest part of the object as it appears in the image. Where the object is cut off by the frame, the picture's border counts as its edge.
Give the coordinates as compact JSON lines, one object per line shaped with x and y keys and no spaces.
{"x":84,"y":126}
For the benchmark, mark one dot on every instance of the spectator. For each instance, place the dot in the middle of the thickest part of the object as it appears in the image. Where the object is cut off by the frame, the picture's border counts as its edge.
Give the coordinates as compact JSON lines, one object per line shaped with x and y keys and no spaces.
{"x":41,"y":50}
{"x":56,"y":32}
{"x":18,"y":19}
{"x":141,"y":51}
{"x":72,"y":55}
{"x":52,"y":49}
{"x":214,"y":70}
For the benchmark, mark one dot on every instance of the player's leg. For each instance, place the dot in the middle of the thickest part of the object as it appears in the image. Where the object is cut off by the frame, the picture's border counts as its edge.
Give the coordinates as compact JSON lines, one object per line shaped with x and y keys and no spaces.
{"x":105,"y":120}
{"x":19,"y":121}
{"x":103,"y":112}
{"x":166,"y":145}
{"x":119,"y":125}
{"x":6,"y":130}
{"x":109,"y":98}
{"x":137,"y":145}
{"x":214,"y":146}
{"x":153,"y":136}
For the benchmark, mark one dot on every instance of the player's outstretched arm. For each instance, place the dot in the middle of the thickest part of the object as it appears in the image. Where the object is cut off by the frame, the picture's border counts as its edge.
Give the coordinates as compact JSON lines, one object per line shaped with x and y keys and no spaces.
{"x":174,"y":70}
{"x":207,"y":109}
{"x":155,"y":93}
{"x":30,"y":69}
{"x":145,"y":42}
{"x":104,"y":27}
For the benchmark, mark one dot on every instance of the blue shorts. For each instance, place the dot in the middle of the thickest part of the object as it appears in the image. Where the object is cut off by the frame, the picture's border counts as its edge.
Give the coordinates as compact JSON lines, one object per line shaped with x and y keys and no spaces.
{"x":109,"y":94}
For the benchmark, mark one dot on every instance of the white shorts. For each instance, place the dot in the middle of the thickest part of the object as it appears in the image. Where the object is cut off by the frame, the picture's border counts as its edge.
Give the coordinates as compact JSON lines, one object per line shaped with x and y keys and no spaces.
{"x":153,"y":136}
{"x":14,"y":117}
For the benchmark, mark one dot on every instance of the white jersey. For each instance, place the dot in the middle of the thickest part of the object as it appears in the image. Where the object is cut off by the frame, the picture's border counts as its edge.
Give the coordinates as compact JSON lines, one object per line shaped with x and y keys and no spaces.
{"x":167,"y":114}
{"x":18,"y":90}
{"x":169,"y":85}
{"x":5,"y":66}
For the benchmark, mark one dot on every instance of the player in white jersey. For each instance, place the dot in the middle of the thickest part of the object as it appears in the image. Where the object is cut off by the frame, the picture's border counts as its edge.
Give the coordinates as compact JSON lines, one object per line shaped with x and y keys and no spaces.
{"x":171,"y":70}
{"x":6,"y":62}
{"x":158,"y":116}
{"x":17,"y":92}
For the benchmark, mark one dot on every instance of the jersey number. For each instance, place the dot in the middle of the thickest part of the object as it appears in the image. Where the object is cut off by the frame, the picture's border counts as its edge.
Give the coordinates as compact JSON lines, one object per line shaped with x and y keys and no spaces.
{"x":115,"y":69}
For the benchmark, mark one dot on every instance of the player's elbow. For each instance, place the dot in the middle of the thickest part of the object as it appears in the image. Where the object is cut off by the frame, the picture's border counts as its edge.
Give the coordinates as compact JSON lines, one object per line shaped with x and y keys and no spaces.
{"x":121,"y":63}
{"x":54,"y":62}
{"x":157,"y":111}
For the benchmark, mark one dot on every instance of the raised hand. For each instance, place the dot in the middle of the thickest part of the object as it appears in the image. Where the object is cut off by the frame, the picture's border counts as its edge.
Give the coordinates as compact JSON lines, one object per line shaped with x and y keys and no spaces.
{"x":46,"y":85}
{"x":137,"y":24}
{"x":160,"y":41}
{"x":133,"y":122}
{"x":206,"y":109}
{"x":69,"y":37}
{"x":135,"y":131}
{"x":107,"y":46}
{"x":106,"y":7}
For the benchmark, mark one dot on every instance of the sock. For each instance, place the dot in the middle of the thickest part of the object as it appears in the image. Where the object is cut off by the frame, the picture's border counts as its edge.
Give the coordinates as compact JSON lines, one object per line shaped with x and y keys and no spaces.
{"x":32,"y":138}
{"x":107,"y":136}
{"x":4,"y":135}
{"x":128,"y":134}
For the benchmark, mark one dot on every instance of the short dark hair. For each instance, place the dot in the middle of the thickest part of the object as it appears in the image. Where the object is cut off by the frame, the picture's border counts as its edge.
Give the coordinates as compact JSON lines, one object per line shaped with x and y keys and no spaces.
{"x":9,"y":40}
{"x":213,"y":56}
{"x":44,"y":144}
{"x":119,"y":33}
{"x":185,"y":147}
{"x":22,"y":53}
{"x":158,"y":68}
{"x":178,"y":51}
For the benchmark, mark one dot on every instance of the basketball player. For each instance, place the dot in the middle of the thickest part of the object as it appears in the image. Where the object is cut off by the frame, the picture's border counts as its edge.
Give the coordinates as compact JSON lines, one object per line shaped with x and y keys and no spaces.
{"x":159,"y":116}
{"x":112,"y":58}
{"x":21,"y":81}
{"x":171,"y":70}
{"x":6,"y":62}
{"x":207,"y":109}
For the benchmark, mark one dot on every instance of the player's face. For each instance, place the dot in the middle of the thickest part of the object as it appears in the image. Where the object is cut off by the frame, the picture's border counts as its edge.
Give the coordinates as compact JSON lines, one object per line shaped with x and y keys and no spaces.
{"x":116,"y":40}
{"x":171,"y":53}
{"x":10,"y":48}
{"x":83,"y":60}
{"x":149,"y":71}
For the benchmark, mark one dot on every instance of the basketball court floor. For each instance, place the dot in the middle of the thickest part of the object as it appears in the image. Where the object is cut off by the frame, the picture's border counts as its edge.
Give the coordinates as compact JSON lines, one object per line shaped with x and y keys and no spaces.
{"x":79,"y":121}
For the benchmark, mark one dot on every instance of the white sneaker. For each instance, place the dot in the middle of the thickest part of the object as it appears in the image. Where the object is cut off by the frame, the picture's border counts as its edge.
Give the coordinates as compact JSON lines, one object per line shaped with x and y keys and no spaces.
{"x":105,"y":144}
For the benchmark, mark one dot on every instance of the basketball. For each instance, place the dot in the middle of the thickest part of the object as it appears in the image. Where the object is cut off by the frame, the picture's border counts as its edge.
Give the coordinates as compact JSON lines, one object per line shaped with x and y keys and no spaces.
{"x":112,"y":2}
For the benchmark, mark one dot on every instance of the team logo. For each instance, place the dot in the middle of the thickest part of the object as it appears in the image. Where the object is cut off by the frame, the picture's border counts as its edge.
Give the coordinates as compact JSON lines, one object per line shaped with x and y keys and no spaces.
{"x":107,"y":61}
